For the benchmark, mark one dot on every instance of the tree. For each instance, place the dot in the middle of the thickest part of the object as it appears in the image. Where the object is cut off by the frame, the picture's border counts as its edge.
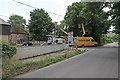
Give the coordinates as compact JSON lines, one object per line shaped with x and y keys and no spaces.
{"x":91,"y":15}
{"x":17,"y":21}
{"x":116,"y":16}
{"x":40,"y":25}
{"x":62,"y":25}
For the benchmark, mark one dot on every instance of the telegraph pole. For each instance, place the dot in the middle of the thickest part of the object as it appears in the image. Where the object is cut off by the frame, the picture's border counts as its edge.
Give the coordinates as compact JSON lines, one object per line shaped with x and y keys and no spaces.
{"x":55,"y":31}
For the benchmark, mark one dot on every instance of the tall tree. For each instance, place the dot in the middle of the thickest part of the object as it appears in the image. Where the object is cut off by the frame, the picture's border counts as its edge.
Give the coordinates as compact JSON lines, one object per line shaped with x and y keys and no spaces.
{"x":17,"y":21}
{"x":91,"y":15}
{"x":116,"y":16}
{"x":40,"y":25}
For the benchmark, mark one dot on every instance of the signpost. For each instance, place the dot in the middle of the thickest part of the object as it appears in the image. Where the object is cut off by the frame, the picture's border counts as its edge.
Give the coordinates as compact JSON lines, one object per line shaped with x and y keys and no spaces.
{"x":70,"y":38}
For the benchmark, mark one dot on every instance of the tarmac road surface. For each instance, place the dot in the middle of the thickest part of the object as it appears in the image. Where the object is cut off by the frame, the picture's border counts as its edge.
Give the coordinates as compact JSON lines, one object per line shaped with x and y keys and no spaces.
{"x":96,"y":63}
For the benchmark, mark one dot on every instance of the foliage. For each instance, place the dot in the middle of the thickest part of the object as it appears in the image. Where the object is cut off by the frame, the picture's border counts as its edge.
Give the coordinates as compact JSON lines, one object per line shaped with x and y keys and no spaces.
{"x":91,"y":15}
{"x":17,"y":21}
{"x":109,"y":38}
{"x":7,"y":64}
{"x":116,"y":16}
{"x":119,"y":39}
{"x":40,"y":25}
{"x":115,"y":37}
{"x":7,"y":49}
{"x":20,"y":68}
{"x":63,"y":26}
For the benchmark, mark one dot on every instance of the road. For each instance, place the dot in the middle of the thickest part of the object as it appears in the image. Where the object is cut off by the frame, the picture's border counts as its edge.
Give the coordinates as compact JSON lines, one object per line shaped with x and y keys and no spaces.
{"x":96,"y":63}
{"x":115,"y":44}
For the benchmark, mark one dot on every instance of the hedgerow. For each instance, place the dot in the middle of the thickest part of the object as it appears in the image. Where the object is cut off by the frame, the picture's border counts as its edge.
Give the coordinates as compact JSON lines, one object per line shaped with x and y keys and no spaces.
{"x":7,"y":49}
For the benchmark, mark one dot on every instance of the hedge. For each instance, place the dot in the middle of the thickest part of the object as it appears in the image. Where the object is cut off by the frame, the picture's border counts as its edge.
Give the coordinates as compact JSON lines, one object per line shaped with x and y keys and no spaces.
{"x":7,"y":49}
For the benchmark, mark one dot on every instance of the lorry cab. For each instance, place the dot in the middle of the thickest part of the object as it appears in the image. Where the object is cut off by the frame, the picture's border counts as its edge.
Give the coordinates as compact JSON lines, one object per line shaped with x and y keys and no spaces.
{"x":84,"y":41}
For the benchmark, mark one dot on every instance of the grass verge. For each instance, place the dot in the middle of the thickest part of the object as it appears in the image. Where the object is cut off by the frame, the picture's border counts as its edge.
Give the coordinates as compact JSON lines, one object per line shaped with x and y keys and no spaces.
{"x":17,"y":68}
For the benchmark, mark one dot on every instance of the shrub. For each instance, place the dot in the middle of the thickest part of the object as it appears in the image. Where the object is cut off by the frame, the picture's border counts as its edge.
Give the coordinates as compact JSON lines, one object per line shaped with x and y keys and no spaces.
{"x":77,"y":51}
{"x":7,"y":49}
{"x":119,"y":39}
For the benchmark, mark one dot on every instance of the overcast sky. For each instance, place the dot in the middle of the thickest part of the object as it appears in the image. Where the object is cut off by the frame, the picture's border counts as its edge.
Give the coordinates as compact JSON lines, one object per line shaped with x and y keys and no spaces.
{"x":9,"y":7}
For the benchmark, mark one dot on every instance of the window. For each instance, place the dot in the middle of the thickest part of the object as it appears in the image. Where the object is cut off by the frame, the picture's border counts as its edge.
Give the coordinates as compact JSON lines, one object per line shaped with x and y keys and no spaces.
{"x":75,"y":40}
{"x":80,"y":40}
{"x":93,"y":40}
{"x":87,"y":40}
{"x":83,"y":40}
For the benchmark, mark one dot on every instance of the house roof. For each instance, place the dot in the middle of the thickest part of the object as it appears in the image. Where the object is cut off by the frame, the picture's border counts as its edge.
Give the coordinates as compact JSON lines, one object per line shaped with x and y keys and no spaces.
{"x":14,"y":30}
{"x":3,"y":22}
{"x":17,"y":30}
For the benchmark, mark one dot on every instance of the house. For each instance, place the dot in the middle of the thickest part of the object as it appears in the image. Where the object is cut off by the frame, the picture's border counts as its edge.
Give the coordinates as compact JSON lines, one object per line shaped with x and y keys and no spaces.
{"x":10,"y":34}
{"x":4,"y":30}
{"x":18,"y":35}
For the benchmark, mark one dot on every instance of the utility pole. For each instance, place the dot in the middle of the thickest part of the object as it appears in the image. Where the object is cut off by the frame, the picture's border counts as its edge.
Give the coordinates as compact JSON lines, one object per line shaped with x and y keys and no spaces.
{"x":55,"y":31}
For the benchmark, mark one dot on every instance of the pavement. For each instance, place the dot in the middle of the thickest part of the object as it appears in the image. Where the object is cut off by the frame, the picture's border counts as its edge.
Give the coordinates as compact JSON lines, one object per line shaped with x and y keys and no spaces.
{"x":97,"y":62}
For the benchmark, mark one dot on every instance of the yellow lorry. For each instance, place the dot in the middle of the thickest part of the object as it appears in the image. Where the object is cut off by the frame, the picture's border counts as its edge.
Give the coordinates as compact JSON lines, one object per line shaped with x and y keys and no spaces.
{"x":84,"y":41}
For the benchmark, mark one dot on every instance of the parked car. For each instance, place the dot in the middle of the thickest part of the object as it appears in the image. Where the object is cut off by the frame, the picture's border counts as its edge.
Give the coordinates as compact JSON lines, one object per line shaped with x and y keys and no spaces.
{"x":60,"y":40}
{"x":26,"y":44}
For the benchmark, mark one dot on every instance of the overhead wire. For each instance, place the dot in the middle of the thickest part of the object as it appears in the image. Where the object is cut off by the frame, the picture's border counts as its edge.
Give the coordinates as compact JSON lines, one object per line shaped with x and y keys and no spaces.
{"x":35,"y":7}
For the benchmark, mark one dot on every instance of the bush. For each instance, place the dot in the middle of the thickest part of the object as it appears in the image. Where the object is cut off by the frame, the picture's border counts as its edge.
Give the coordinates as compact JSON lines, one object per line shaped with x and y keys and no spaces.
{"x":7,"y":49}
{"x":105,"y":39}
{"x":119,"y":39}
